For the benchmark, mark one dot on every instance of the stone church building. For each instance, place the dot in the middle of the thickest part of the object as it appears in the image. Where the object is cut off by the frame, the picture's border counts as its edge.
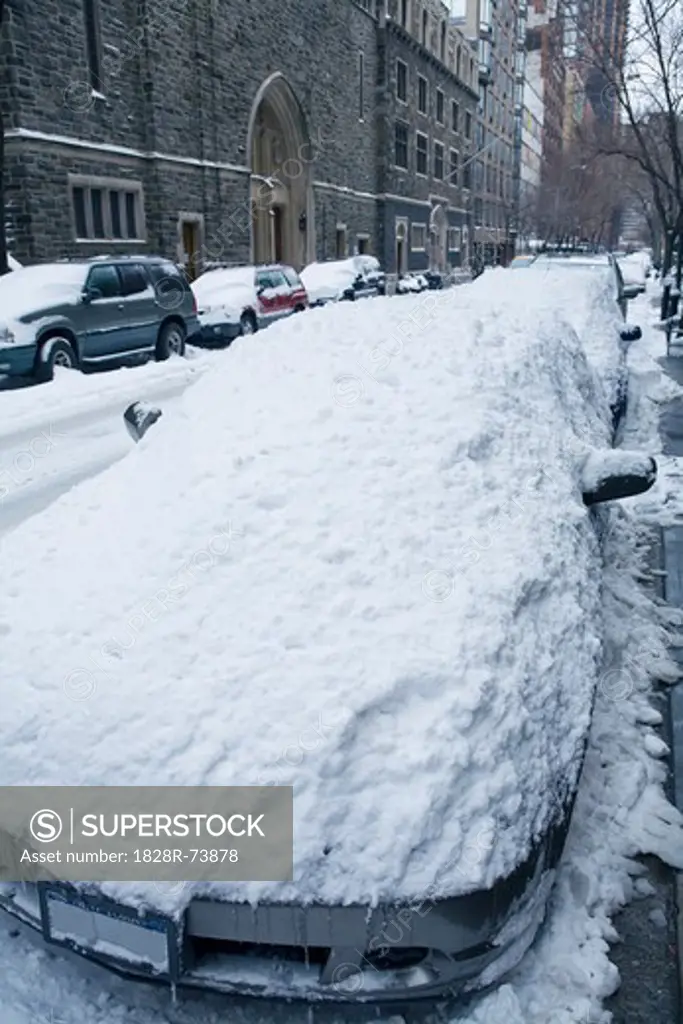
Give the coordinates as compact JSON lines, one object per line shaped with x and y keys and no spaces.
{"x":235,"y":131}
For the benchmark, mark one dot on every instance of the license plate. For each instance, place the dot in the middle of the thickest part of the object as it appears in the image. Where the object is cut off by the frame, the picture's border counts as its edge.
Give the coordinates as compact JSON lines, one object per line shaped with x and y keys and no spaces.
{"x":101,"y":929}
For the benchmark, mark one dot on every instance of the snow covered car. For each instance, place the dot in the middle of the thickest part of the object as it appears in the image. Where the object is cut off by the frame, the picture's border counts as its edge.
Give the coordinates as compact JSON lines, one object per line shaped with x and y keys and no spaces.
{"x":411,"y":283}
{"x":240,"y":300}
{"x":381,"y":588}
{"x":635,"y":269}
{"x":102,"y":311}
{"x":597,"y":309}
{"x":358,"y":277}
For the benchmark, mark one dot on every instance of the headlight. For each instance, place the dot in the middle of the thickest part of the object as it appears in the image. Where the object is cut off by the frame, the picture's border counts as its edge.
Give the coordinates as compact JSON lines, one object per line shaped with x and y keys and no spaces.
{"x":6,"y":336}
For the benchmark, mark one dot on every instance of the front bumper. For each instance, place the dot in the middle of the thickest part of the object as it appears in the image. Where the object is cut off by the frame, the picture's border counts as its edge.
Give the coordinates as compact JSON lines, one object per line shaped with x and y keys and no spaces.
{"x":17,"y":360}
{"x":414,"y":952}
{"x":216,"y":335}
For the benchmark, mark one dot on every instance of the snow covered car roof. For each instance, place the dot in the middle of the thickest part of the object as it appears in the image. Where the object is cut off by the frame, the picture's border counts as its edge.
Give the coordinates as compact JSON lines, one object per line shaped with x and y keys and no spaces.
{"x":367,"y":529}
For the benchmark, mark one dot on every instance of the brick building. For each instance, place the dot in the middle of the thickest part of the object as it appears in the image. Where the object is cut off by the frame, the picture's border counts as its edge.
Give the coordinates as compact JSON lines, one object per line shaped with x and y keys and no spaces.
{"x":218,"y":130}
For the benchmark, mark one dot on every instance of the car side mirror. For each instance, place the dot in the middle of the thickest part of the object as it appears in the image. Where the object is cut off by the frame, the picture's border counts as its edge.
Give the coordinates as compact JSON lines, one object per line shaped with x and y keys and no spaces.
{"x":139,"y":417}
{"x":631,"y":333}
{"x":612,"y":475}
{"x":90,"y":294}
{"x":631,"y":291}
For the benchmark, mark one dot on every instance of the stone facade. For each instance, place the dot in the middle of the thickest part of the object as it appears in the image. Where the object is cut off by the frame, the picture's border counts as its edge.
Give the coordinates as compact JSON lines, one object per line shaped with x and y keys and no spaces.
{"x":420,"y":87}
{"x":213,"y":130}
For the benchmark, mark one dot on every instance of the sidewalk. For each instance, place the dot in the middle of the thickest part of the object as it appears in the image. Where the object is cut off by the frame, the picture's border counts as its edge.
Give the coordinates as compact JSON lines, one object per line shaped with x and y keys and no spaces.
{"x":671,"y":432}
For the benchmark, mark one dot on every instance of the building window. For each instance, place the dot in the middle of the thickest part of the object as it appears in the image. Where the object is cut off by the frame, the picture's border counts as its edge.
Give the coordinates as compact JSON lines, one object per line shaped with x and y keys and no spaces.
{"x":425,"y":27}
{"x":418,"y":237}
{"x":402,"y":81}
{"x":93,"y":43}
{"x":340,"y":242}
{"x":105,"y":208}
{"x":401,"y":145}
{"x":363,"y":244}
{"x":361,"y":86}
{"x":438,"y":161}
{"x":468,"y":125}
{"x":422,"y":94}
{"x":455,"y":116}
{"x":454,"y":168}
{"x":422,"y":163}
{"x":453,"y":239}
{"x":442,"y":51}
{"x":440,"y":101}
{"x":467,"y":174}
{"x":404,"y":13}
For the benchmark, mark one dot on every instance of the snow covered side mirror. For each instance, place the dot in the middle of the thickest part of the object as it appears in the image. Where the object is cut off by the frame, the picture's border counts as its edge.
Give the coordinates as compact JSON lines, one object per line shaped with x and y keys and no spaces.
{"x":611,"y":475}
{"x":630,"y":333}
{"x":139,"y":417}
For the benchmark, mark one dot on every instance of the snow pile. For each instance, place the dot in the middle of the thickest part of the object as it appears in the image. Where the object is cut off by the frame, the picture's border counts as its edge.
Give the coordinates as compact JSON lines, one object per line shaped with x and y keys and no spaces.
{"x":620,"y":812}
{"x":409,"y":562}
{"x":649,"y":391}
{"x":72,"y":394}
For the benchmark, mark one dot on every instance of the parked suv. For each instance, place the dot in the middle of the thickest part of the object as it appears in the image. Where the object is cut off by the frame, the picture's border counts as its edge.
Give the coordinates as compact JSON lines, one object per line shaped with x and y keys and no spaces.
{"x":88,"y":312}
{"x":240,"y":300}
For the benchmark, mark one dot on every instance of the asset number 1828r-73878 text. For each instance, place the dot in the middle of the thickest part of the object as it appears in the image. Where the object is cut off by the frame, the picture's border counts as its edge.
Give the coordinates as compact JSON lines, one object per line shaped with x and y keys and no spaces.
{"x":210,"y":856}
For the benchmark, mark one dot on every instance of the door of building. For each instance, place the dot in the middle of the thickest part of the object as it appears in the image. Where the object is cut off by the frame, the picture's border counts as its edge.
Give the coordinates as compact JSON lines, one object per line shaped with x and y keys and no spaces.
{"x":191,"y":245}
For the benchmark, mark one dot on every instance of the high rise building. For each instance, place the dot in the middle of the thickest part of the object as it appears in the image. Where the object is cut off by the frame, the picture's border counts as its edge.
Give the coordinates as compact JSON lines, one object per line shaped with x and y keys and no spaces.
{"x":491,"y":27}
{"x":594,"y":51}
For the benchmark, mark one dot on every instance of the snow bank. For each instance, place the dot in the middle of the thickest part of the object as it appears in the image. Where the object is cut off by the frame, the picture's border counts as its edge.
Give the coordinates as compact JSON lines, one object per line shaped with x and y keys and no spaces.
{"x":390,"y":542}
{"x":73,"y":394}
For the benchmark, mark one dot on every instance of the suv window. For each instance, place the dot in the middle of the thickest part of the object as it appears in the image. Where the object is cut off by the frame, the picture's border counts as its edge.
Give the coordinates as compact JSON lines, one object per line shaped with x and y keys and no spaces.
{"x":165,"y":272}
{"x":292,"y":277}
{"x":133,"y":279}
{"x":169,"y":284}
{"x":105,"y":279}
{"x":270,"y":279}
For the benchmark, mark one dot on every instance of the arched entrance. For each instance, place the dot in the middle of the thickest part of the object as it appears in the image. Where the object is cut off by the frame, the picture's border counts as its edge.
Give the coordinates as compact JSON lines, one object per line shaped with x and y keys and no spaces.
{"x":281,"y":170}
{"x":438,"y":238}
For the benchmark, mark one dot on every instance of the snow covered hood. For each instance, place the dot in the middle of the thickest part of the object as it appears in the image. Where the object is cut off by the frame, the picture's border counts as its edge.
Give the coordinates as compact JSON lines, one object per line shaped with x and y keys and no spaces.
{"x":357,"y":562}
{"x":29,"y":289}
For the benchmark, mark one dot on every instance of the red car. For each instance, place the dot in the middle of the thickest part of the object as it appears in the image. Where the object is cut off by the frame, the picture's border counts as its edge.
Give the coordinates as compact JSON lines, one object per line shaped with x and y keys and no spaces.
{"x":240,"y":300}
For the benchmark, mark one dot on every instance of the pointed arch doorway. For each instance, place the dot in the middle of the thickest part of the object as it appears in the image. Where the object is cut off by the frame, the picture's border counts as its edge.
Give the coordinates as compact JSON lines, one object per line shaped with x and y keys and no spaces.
{"x":281,"y":160}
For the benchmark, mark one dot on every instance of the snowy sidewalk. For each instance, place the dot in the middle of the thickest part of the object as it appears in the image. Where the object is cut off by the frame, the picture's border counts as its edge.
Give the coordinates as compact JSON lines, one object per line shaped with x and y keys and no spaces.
{"x":671,"y":430}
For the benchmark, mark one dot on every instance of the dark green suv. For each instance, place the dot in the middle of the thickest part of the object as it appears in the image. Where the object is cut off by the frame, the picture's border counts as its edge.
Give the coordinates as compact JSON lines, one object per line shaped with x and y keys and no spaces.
{"x":90,"y":312}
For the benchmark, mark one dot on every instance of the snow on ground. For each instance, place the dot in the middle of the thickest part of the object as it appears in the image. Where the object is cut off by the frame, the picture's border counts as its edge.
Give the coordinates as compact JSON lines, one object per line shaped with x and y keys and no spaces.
{"x":620,"y":812}
{"x":55,"y":435}
{"x":72,"y":394}
{"x":651,"y":388}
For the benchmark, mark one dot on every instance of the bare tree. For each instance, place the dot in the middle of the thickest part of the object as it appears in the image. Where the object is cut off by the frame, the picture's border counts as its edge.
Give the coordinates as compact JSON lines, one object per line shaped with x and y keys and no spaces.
{"x":645,"y":84}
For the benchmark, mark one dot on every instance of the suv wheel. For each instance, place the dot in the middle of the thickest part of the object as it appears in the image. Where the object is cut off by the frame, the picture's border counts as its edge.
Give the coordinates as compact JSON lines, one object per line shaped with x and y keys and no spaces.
{"x":171,"y":341}
{"x":54,"y":352}
{"x":248,"y":323}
